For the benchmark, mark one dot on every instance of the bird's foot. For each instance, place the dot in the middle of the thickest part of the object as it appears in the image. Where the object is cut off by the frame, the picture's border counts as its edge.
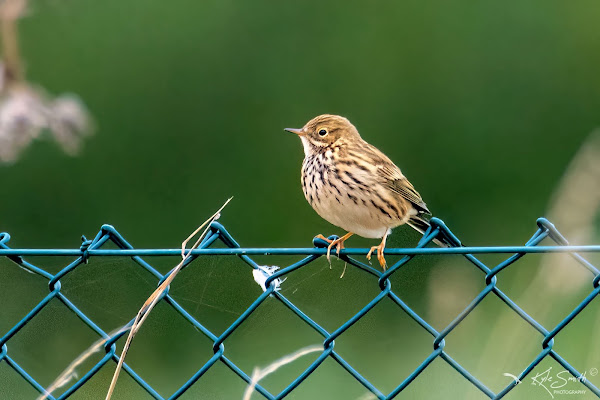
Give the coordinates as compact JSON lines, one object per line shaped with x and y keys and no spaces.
{"x":319,"y":236}
{"x":338,"y":243}
{"x":380,"y":256}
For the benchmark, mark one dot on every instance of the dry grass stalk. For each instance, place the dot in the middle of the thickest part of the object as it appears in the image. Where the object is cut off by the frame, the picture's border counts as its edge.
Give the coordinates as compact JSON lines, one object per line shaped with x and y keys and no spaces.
{"x":70,"y":372}
{"x":156,"y":295}
{"x":260,"y":373}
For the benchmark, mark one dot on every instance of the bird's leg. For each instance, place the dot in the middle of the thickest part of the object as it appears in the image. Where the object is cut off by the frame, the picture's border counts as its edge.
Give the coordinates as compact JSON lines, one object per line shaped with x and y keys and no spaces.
{"x":379,"y":249}
{"x":338,"y":243}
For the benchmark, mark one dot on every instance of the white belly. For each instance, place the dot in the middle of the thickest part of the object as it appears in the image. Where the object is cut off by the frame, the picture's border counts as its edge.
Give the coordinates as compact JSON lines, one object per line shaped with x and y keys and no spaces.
{"x":352,"y":218}
{"x":356,"y":217}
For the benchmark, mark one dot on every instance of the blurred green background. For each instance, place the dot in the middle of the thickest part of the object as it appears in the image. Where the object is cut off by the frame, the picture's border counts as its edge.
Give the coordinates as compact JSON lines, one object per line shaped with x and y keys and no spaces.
{"x":482,"y":104}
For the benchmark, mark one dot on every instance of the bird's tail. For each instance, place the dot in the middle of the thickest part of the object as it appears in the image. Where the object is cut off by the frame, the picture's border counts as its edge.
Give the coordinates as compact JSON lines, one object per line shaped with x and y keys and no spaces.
{"x":420,"y":224}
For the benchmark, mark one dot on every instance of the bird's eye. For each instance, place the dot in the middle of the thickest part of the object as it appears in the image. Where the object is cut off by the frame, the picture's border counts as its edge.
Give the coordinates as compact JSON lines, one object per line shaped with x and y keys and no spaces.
{"x":323,"y":132}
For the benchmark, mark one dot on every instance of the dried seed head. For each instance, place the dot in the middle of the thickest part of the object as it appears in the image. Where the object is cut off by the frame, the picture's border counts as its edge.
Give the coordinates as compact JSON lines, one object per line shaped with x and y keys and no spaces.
{"x":69,"y":122}
{"x":22,"y":117}
{"x":25,"y":113}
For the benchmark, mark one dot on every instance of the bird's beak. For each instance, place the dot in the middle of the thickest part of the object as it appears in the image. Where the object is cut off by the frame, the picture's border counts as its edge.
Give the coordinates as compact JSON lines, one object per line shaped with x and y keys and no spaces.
{"x":298,"y":132}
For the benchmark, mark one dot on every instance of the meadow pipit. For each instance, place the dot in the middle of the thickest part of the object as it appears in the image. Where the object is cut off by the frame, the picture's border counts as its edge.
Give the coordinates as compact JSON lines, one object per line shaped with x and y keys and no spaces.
{"x":353,"y":185}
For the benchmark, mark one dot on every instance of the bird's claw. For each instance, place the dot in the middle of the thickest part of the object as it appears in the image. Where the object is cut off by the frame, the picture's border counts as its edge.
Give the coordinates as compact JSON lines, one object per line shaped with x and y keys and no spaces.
{"x":338,"y":243}
{"x":320,"y":236}
{"x":380,"y":256}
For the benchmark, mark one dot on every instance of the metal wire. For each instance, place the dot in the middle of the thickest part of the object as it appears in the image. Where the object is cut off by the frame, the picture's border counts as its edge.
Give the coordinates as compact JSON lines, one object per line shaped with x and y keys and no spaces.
{"x":92,"y":248}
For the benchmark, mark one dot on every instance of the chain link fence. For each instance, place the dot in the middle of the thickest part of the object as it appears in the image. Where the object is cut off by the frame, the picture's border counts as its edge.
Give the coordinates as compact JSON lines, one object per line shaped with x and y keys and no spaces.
{"x":271,"y":279}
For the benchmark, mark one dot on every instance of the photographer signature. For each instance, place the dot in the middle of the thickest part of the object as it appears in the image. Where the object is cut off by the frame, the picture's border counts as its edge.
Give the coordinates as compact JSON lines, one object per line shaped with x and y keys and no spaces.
{"x":548,"y":381}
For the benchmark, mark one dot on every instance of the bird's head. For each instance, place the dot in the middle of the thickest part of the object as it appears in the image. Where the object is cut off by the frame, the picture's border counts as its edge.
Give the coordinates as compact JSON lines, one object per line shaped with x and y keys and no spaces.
{"x":325,"y":131}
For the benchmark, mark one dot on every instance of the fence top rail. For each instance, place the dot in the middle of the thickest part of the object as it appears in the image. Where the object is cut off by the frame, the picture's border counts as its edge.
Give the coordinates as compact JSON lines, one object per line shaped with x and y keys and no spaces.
{"x":302,"y":251}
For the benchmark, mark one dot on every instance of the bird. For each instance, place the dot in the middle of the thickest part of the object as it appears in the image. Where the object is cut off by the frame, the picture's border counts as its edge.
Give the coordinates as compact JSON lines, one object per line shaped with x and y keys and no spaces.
{"x":353,"y":185}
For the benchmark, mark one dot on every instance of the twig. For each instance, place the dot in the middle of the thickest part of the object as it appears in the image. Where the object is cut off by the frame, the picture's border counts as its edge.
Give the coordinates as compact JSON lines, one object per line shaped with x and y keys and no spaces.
{"x":156,"y":295}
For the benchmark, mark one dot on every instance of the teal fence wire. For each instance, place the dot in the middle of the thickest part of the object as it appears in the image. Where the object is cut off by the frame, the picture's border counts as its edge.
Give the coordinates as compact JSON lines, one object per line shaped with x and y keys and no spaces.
{"x":93,"y":248}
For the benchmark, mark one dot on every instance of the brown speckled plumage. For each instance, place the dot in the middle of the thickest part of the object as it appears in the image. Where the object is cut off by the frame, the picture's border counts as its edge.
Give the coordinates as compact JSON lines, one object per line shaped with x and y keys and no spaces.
{"x":353,"y":185}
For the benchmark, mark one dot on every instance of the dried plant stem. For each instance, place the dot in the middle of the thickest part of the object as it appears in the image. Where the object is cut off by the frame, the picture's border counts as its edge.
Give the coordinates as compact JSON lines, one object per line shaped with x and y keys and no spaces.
{"x":156,"y":295}
{"x":260,"y":373}
{"x":10,"y":12}
{"x":70,"y":372}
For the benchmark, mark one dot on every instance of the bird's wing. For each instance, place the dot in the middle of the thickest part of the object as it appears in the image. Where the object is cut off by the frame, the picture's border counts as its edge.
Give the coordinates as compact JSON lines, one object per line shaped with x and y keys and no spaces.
{"x":397,"y":183}
{"x":389,"y":175}
{"x":393,"y":179}
{"x":405,"y":189}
